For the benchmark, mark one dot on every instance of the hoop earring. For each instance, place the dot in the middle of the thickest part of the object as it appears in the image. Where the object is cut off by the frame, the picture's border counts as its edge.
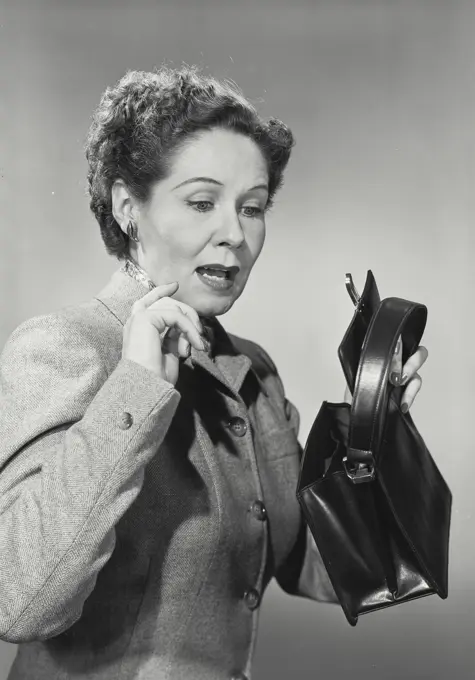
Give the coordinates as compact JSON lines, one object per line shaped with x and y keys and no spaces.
{"x":132,"y":231}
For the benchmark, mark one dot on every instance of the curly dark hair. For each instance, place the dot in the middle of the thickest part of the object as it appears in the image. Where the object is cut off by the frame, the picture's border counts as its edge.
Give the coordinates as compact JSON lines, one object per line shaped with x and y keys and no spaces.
{"x":145,"y":118}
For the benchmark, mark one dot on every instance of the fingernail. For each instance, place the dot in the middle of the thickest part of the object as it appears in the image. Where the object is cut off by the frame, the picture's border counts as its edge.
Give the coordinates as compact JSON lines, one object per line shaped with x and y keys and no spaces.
{"x":404,"y":407}
{"x":395,"y":379}
{"x":404,"y":378}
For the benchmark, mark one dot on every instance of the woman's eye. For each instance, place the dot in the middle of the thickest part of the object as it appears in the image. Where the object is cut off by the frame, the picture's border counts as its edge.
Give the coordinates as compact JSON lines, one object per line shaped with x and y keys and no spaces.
{"x":201,"y":206}
{"x":251,"y":211}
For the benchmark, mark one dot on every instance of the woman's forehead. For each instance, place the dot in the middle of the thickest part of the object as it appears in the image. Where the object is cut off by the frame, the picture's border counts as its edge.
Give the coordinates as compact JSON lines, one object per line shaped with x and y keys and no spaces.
{"x":222,"y":155}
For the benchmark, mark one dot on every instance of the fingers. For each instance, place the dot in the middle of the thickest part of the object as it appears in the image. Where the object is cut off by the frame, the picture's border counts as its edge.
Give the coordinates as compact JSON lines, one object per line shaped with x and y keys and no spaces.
{"x":158,"y":300}
{"x":413,"y":364}
{"x":165,"y":290}
{"x":410,"y":393}
{"x":408,"y":374}
{"x":176,"y":343}
{"x":395,"y":371}
{"x":192,"y":314}
{"x":184,"y":347}
{"x":401,"y":375}
{"x":173,"y":317}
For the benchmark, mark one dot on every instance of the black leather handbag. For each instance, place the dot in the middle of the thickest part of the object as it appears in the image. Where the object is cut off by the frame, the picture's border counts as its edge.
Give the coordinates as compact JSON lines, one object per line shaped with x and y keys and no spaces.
{"x":372,"y":496}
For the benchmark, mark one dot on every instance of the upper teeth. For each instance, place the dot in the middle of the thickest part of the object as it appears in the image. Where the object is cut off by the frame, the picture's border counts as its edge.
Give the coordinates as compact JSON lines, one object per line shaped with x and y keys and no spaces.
{"x":215,"y":272}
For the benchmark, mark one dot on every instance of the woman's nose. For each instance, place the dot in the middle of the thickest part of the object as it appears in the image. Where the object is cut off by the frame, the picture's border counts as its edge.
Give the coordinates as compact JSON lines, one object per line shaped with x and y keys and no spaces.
{"x":231,"y":232}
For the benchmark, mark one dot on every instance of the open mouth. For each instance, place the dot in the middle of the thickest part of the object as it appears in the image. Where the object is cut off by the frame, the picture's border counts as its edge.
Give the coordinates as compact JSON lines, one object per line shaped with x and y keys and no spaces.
{"x":218,"y":272}
{"x":217,"y":276}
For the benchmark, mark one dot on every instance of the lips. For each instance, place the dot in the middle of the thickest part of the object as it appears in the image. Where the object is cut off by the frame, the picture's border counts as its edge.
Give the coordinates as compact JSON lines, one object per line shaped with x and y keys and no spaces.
{"x":219,"y":271}
{"x":217,"y":277}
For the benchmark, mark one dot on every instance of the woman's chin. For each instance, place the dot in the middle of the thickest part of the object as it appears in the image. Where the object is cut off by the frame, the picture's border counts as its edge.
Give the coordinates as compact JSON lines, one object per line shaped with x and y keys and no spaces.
{"x":211,"y":305}
{"x":214,"y":307}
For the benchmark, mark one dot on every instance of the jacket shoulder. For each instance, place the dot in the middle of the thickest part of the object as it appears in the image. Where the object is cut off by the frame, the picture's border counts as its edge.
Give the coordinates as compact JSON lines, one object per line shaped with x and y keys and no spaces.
{"x":83,"y":331}
{"x":69,"y":352}
{"x":52,"y":366}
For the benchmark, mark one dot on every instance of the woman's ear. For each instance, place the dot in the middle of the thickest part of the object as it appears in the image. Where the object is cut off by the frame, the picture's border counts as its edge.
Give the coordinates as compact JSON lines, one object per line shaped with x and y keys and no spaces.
{"x":123,"y":205}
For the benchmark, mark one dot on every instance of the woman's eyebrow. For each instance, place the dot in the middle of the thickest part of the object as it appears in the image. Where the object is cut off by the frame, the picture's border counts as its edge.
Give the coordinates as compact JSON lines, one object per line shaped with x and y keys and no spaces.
{"x":210,"y":180}
{"x":260,"y":186}
{"x":198,"y":179}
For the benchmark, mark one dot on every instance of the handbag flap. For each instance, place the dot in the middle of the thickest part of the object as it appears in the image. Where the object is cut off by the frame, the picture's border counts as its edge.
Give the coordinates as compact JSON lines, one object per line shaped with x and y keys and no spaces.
{"x":350,"y":348}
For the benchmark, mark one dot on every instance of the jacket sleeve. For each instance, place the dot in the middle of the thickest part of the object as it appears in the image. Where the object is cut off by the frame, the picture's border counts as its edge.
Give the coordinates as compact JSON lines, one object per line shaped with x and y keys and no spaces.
{"x":303,"y":572}
{"x":74,"y":443}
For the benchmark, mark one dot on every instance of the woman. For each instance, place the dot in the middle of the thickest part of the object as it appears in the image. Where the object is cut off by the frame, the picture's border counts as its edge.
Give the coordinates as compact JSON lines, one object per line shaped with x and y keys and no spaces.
{"x":150,"y":460}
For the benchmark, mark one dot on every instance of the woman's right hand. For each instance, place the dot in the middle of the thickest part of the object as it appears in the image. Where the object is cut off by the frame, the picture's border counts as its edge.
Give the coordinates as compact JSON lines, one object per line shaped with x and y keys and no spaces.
{"x":160,"y":331}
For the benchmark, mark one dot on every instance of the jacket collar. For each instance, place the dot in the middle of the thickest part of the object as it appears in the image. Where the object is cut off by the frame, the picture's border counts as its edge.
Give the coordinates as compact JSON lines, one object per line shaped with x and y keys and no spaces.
{"x":227,"y":364}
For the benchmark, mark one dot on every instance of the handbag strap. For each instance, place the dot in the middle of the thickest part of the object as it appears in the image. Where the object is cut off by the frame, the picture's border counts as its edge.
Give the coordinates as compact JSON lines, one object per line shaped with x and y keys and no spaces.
{"x":394,"y":317}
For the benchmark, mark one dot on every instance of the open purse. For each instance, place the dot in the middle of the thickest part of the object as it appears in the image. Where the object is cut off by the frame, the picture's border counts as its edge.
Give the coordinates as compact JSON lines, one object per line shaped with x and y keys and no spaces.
{"x":371,"y":493}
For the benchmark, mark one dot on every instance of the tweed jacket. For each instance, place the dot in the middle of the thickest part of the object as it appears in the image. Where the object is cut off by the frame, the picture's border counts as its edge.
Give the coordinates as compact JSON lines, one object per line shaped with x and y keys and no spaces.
{"x":141,"y":522}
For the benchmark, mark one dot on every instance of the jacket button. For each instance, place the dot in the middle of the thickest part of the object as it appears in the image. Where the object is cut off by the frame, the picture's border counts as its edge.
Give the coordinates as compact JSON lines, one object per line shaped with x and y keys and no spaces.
{"x":125,"y":421}
{"x":237,"y":426}
{"x":252,"y":598}
{"x":259,"y":510}
{"x":239,"y":676}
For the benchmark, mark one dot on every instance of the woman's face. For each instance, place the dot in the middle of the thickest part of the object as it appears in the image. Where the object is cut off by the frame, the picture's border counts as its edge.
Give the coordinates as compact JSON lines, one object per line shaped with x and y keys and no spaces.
{"x":203,"y":225}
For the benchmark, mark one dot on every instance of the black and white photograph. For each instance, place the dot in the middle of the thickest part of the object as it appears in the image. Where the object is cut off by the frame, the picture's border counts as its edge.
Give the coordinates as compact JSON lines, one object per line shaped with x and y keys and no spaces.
{"x":236,"y":339}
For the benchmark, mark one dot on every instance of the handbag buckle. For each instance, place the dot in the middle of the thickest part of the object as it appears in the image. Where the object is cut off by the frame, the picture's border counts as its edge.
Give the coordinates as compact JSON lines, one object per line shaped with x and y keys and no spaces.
{"x":361,"y":472}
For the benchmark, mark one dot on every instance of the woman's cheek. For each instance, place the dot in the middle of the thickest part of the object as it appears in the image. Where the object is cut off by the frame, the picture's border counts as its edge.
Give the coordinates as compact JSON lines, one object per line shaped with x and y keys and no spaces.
{"x":259,"y":247}
{"x":255,"y":237}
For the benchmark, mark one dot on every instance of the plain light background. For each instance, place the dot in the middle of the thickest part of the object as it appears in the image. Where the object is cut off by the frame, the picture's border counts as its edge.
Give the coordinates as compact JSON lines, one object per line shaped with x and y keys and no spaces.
{"x":380,"y":95}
